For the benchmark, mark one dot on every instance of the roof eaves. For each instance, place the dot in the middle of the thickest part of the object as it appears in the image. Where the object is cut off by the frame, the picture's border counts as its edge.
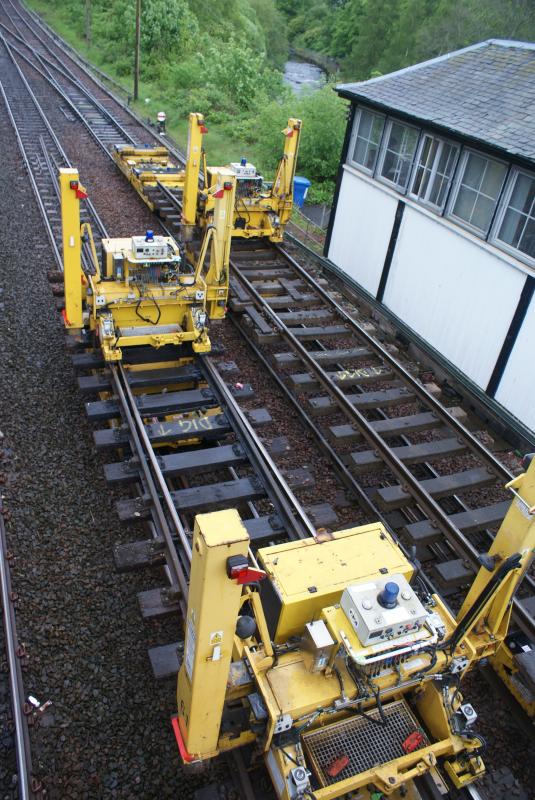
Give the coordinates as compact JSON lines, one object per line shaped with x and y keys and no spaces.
{"x":512,"y":43}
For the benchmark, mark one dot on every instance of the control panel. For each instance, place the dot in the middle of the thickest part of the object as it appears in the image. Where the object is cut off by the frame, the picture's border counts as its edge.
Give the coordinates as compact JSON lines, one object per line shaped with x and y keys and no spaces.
{"x":383,"y":609}
{"x":243,"y":169}
{"x":149,"y":247}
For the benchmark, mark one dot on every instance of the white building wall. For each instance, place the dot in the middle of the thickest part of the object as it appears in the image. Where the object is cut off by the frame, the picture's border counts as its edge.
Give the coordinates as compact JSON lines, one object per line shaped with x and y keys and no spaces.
{"x":517,"y":386}
{"x":458,"y":296}
{"x":456,"y":292}
{"x":361,"y":232}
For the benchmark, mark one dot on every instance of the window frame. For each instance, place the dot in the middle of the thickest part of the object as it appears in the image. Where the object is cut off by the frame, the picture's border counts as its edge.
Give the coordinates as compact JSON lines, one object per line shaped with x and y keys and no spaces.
{"x":505,"y":199}
{"x":456,"y":186}
{"x":353,"y":140}
{"x":384,"y":147}
{"x":437,"y":209}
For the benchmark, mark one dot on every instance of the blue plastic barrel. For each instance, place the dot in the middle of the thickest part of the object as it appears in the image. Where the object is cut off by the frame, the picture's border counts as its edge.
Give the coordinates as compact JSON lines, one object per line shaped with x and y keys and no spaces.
{"x":301,"y":187}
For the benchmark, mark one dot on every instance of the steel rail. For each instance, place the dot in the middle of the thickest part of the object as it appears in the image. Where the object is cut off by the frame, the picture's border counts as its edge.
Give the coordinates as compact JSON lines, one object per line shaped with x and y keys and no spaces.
{"x":343,"y":472}
{"x":156,"y":467}
{"x":278,"y":490}
{"x":64,"y":70}
{"x":16,"y":684}
{"x":24,"y":152}
{"x":49,"y":161}
{"x":168,"y":194}
{"x":145,"y":454}
{"x":407,"y":480}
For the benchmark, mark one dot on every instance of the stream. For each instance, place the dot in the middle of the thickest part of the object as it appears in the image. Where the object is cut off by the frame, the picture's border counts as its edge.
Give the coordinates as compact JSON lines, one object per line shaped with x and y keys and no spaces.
{"x":301,"y":75}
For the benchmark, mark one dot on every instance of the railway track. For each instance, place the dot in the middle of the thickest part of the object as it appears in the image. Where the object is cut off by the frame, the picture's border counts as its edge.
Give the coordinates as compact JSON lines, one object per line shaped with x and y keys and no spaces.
{"x":100,"y":122}
{"x":448,"y":516}
{"x":184,"y":447}
{"x":103,"y":116}
{"x":406,"y":458}
{"x":29,"y":47}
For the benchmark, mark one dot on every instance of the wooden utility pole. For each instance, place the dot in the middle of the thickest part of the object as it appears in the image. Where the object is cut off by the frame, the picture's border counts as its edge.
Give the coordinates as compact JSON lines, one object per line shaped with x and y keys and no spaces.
{"x":137,"y":51}
{"x":88,"y":21}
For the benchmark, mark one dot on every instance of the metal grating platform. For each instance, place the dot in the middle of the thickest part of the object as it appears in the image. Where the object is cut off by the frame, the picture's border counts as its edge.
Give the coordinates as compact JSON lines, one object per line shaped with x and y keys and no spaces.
{"x":364,"y":742}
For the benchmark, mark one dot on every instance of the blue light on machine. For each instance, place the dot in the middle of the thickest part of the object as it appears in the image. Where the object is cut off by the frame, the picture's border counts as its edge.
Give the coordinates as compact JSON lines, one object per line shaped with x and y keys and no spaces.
{"x":149,"y":236}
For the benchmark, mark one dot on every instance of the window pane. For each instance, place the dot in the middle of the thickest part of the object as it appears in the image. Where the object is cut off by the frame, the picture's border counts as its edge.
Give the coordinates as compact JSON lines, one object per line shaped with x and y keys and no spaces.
{"x":361,"y":152}
{"x":518,"y":226}
{"x":527,"y":245}
{"x":493,"y":179}
{"x":370,"y":128}
{"x":434,"y":171}
{"x":482,"y":213}
{"x":399,"y":154}
{"x":522,"y":196}
{"x":474,"y":170}
{"x":426,"y":163}
{"x":421,"y":170}
{"x":464,"y":205}
{"x":479,"y":189}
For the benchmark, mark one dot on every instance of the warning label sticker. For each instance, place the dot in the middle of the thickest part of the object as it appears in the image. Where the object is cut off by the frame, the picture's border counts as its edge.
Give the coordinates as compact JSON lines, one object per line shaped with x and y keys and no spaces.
{"x":216,"y":637}
{"x":189,"y":656}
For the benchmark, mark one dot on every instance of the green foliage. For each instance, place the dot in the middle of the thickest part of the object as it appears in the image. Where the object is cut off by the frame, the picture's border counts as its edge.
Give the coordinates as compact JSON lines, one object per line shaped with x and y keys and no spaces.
{"x":235,"y":70}
{"x":320,"y":193}
{"x":322,"y":114}
{"x":167,"y":27}
{"x":223,"y":61}
{"x":368,"y":36}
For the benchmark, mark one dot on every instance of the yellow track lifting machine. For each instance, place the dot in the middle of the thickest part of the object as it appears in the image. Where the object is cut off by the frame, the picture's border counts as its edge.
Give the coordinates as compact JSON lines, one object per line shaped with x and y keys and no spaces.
{"x":330,"y":660}
{"x":260,"y":209}
{"x":148,"y":290}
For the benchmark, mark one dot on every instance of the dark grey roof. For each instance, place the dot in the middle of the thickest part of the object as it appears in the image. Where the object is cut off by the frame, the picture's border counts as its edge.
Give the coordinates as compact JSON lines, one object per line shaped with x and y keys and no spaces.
{"x":485,"y":92}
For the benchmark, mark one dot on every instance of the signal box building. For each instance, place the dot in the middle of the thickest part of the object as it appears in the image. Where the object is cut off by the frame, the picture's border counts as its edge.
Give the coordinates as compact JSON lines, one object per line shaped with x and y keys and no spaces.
{"x":434,"y":212}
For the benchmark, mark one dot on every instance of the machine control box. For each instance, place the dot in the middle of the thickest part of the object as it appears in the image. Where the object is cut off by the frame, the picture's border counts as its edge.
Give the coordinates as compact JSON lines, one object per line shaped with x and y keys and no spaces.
{"x":384,"y":609}
{"x":243,"y":170}
{"x":153,"y":248}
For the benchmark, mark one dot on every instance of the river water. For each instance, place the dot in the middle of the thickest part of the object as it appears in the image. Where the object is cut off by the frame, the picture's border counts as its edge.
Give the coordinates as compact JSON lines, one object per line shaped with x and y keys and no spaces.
{"x":301,"y":75}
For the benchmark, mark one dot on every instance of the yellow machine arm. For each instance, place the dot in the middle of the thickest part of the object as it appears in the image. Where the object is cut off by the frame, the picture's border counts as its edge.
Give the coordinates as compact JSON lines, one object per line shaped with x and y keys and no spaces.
{"x":72,"y":192}
{"x":196,"y":129}
{"x":486,"y":611}
{"x":284,"y":179}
